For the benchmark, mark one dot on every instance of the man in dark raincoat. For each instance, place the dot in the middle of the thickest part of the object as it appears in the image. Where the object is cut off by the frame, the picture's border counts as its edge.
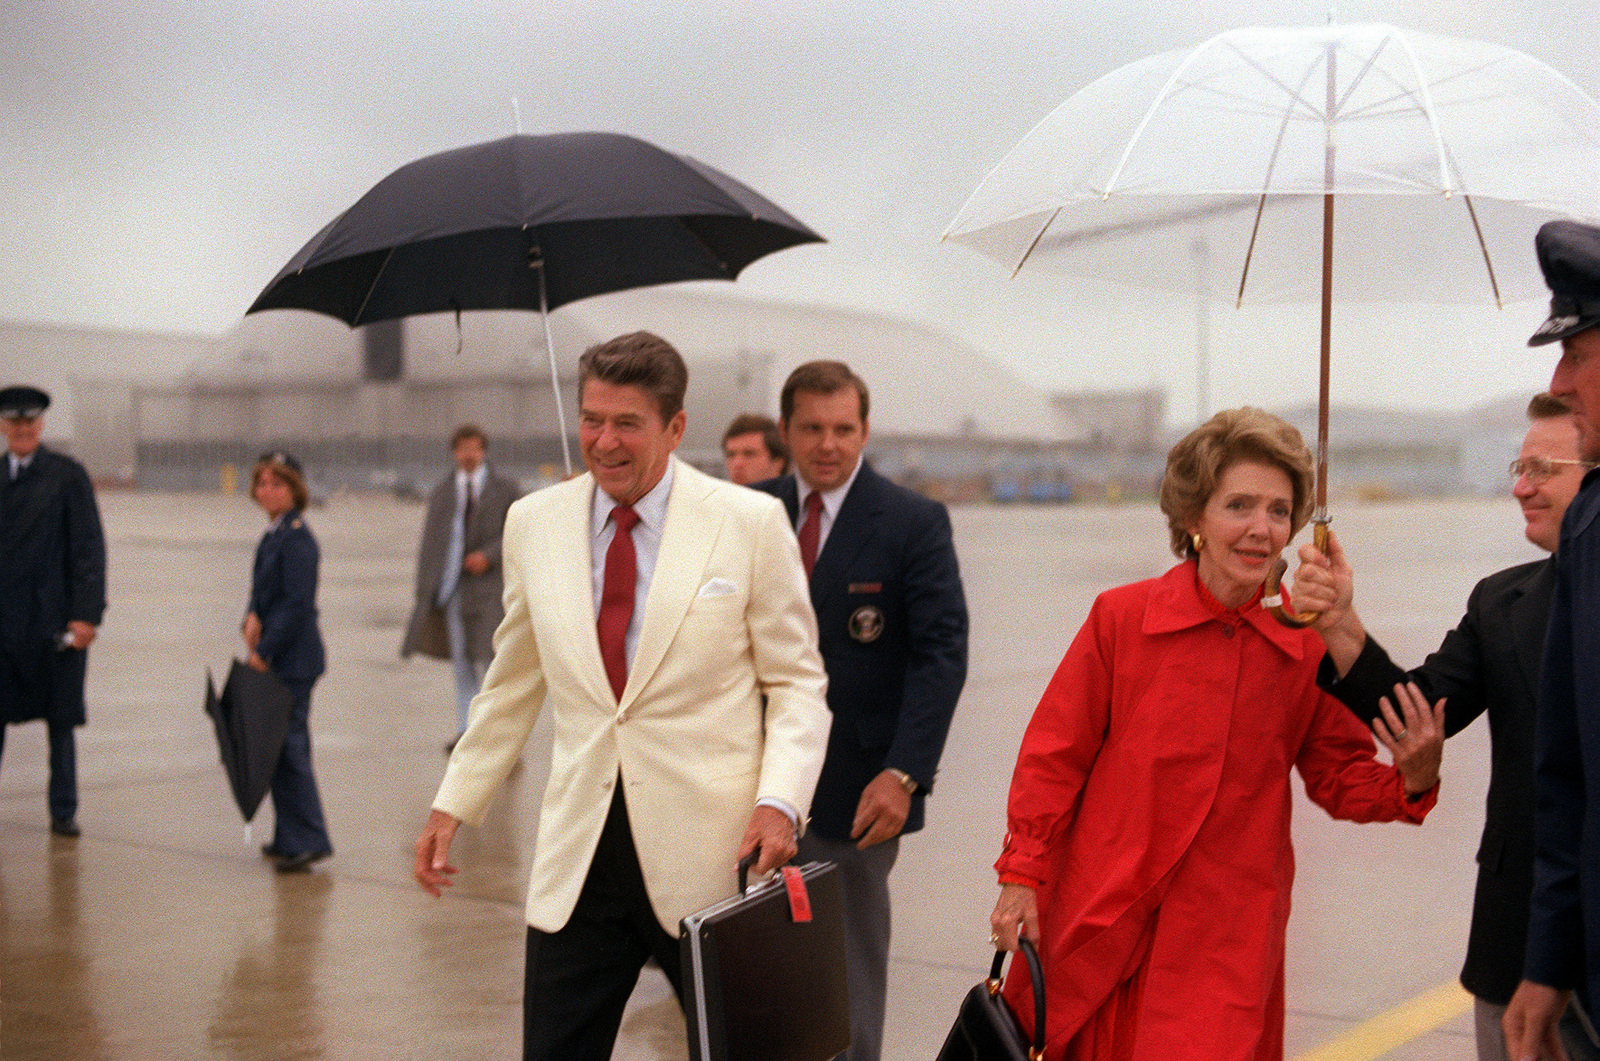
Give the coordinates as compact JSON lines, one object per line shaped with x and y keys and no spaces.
{"x":52,"y":591}
{"x":1564,"y":927}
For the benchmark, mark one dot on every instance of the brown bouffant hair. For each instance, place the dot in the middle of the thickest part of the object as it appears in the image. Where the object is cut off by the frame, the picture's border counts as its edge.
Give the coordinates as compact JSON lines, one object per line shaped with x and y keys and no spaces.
{"x":821,"y":377}
{"x":1196,"y":464}
{"x":643,"y":360}
{"x":287,"y":469}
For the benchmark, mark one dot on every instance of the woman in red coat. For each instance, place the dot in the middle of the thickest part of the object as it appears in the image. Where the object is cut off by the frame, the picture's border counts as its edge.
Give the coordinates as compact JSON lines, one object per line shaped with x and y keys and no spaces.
{"x":1148,"y":850}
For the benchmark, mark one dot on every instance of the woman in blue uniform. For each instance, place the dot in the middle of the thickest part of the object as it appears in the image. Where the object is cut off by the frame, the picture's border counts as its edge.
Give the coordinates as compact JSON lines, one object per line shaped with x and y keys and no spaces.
{"x":280,"y":630}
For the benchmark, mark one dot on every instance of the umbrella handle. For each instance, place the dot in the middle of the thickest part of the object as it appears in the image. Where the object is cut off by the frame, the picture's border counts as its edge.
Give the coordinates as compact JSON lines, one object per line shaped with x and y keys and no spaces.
{"x":1273,"y":592}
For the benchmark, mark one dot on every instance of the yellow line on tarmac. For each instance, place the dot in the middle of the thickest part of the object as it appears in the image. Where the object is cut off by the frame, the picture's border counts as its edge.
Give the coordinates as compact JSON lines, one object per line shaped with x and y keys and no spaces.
{"x":1409,"y":1020}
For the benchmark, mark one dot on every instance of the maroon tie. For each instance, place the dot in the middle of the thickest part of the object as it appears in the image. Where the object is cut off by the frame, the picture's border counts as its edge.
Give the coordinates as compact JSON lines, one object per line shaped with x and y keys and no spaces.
{"x":811,"y":531}
{"x":616,"y":598}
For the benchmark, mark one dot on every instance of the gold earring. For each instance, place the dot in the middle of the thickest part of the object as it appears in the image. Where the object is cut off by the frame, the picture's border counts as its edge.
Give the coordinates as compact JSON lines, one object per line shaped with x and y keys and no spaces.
{"x":1199,"y":542}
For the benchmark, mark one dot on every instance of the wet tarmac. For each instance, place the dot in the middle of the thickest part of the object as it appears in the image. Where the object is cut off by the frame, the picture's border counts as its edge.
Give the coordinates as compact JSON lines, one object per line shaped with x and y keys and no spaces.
{"x":161,"y":933}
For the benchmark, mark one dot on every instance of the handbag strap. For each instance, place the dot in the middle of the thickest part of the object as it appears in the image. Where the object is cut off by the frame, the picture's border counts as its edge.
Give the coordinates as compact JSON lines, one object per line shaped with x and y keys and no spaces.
{"x":1036,"y":974}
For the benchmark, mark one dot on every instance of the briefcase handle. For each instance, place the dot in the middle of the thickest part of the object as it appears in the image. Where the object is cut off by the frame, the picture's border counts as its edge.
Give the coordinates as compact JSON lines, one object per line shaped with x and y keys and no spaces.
{"x":1036,"y":971}
{"x":744,"y":869}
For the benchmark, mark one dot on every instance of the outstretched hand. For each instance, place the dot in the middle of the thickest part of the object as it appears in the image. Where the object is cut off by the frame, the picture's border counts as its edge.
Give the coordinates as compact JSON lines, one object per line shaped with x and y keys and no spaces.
{"x":1414,"y":736}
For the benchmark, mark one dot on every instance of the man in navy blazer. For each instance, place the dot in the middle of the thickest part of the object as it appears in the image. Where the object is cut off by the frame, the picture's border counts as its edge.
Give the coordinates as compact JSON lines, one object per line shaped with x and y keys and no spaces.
{"x":892,"y":621}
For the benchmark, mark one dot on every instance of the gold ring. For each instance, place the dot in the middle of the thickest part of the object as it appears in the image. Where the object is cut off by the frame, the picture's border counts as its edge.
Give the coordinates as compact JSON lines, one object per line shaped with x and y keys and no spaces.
{"x":993,"y":939}
{"x":1401,"y":735}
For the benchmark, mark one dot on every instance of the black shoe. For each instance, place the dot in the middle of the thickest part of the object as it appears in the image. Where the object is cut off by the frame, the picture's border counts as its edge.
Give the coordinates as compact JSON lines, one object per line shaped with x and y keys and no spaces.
{"x":270,"y":851}
{"x":301,"y":863}
{"x":64,"y":826}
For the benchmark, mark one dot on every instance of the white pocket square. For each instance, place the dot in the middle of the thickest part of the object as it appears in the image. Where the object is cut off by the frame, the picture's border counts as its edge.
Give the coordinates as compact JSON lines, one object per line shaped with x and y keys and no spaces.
{"x":717,"y":587}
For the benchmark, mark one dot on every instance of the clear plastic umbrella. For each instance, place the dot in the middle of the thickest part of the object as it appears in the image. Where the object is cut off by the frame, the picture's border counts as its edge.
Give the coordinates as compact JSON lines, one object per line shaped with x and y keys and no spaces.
{"x":1422,"y":164}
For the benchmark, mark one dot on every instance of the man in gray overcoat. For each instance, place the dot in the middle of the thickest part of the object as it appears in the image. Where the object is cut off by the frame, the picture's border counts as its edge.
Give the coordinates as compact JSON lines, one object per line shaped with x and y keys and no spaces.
{"x":459,"y":581}
{"x":52,"y":591}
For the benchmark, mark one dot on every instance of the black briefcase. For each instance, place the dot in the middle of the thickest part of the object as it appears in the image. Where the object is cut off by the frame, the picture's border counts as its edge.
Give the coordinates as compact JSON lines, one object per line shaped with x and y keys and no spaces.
{"x":987,"y":1030}
{"x":763,"y":972}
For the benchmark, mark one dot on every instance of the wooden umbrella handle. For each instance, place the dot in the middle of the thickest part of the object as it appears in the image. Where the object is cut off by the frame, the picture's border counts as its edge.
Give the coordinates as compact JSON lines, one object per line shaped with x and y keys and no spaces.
{"x":1273,"y":593}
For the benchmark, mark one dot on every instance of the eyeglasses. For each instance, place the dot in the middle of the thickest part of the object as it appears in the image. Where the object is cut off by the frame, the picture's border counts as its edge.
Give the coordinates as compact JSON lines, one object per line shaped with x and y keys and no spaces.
{"x":1539,"y":469}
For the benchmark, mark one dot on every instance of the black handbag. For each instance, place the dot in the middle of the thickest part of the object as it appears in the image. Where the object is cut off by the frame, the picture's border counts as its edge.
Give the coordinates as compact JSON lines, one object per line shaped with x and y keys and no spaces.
{"x":987,"y":1030}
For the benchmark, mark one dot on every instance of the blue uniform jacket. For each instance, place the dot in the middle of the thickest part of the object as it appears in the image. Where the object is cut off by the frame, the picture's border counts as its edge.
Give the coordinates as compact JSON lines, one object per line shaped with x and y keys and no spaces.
{"x":892,"y":622}
{"x":283,"y":595}
{"x":1564,"y":928}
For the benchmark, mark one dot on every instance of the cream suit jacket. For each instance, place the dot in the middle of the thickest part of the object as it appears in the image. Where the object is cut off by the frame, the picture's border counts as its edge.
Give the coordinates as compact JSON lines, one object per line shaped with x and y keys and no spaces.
{"x":728,"y":622}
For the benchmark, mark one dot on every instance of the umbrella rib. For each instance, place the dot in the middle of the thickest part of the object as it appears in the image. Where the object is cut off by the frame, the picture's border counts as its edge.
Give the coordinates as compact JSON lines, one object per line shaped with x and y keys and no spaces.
{"x":1037,"y":236}
{"x":1483,"y":246}
{"x":1432,"y":119}
{"x":1249,"y":253}
{"x":1295,"y":95}
{"x":366,"y":298}
{"x":1150,"y":113}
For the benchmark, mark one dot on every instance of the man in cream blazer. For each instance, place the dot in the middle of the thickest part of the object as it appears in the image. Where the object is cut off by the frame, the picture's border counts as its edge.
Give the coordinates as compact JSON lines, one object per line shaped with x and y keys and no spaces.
{"x":711,"y":751}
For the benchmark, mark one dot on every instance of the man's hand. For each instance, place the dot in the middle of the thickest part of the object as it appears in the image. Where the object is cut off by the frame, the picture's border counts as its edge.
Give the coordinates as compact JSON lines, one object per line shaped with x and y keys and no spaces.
{"x":82,"y":633}
{"x":251,"y":631}
{"x":1325,"y":584}
{"x":255,"y":662}
{"x":432,"y":868}
{"x":881,"y":814}
{"x":1530,"y":1023}
{"x":475,"y":563}
{"x":771,"y":830}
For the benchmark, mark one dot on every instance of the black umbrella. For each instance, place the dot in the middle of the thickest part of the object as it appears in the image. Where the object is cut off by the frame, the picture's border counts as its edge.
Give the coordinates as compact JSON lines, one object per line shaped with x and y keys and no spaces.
{"x":530,"y":222}
{"x":251,"y":717}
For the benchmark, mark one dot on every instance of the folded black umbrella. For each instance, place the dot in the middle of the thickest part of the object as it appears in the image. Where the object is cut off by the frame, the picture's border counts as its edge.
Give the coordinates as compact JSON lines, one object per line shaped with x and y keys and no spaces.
{"x":252,"y":717}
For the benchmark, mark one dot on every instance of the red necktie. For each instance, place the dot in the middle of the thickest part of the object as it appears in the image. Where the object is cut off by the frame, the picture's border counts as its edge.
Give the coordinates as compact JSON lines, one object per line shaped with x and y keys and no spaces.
{"x":811,"y":531}
{"x":616,"y":598}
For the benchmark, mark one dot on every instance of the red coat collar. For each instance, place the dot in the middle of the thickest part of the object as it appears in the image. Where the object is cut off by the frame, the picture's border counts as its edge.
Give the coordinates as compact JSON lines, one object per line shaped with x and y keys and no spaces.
{"x":1178,"y":601}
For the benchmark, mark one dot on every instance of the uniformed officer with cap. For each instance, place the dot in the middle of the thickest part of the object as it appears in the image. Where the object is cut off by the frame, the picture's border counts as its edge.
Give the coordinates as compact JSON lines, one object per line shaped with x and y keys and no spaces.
{"x":1564,"y":929}
{"x":52,"y":591}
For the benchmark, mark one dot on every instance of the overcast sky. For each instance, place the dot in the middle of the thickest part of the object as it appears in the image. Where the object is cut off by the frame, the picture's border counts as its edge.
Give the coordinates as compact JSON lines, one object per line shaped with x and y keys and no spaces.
{"x":164,"y":159}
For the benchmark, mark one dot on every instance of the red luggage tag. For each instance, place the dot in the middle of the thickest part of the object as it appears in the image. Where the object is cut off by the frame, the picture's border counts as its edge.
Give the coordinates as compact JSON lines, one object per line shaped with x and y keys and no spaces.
{"x":799,"y":900}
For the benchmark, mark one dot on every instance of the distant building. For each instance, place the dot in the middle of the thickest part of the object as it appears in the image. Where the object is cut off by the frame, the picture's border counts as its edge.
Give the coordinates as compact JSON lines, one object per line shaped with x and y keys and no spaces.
{"x":374,"y":407}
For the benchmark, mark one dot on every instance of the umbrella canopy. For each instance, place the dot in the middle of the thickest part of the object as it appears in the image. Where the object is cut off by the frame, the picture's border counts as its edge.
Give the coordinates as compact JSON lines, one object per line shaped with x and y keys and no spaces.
{"x":1235,"y":142}
{"x":1442,"y":155}
{"x":530,"y":222}
{"x":251,"y":718}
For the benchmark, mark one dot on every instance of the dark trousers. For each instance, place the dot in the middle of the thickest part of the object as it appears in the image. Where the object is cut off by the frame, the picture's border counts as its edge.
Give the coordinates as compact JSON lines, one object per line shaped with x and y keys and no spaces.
{"x":578,"y":979}
{"x":63,"y":791}
{"x":865,"y":877}
{"x":299,"y":825}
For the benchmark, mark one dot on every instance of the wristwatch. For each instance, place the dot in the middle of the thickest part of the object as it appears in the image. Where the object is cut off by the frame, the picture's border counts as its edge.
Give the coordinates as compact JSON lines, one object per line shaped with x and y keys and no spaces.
{"x":907,"y":782}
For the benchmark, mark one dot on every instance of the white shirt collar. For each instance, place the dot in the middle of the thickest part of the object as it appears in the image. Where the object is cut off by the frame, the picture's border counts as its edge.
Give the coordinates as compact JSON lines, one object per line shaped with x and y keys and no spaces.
{"x":652,"y":507}
{"x":831,"y":499}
